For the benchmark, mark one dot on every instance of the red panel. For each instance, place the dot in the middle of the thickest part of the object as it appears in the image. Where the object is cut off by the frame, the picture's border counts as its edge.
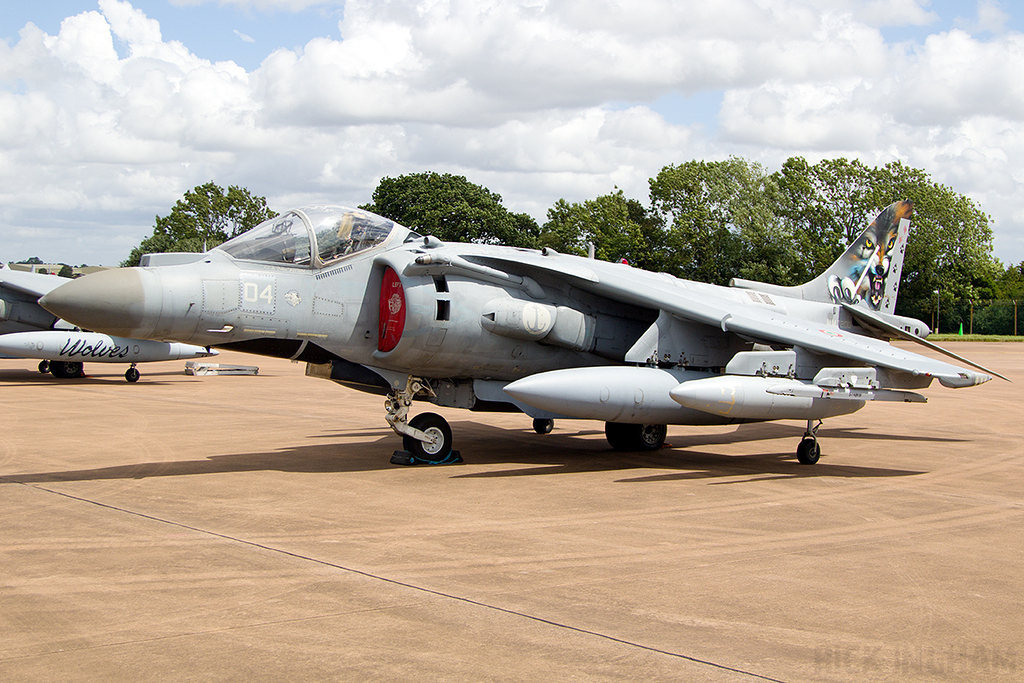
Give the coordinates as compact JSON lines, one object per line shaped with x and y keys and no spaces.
{"x":392,"y":311}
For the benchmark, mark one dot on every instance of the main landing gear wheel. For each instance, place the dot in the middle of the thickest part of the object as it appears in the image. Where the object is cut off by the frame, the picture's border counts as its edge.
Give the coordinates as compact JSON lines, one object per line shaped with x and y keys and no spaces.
{"x":66,"y":369}
{"x":132,"y":375}
{"x":809,"y":451}
{"x":542,"y":426}
{"x":633,"y":437}
{"x":436,"y":427}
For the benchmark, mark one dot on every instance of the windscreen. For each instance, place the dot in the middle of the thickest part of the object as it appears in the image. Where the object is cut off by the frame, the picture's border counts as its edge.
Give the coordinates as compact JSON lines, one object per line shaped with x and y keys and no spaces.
{"x":283,"y":239}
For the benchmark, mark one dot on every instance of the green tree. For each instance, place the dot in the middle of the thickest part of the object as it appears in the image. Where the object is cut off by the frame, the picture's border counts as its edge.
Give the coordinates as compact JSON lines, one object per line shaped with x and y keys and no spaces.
{"x":619,"y":228}
{"x":950,"y":247}
{"x":720,"y":222}
{"x":66,"y":271}
{"x":1009,"y":284}
{"x":203,"y":218}
{"x":826,"y":205}
{"x":452,"y":209}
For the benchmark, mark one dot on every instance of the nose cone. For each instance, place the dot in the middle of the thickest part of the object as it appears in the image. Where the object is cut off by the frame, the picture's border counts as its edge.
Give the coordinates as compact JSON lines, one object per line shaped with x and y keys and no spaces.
{"x":121,"y":301}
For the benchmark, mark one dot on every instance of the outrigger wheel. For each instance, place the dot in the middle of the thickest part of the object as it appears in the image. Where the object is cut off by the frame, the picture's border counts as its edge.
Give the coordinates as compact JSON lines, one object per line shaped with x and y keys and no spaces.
{"x":808,"y":452}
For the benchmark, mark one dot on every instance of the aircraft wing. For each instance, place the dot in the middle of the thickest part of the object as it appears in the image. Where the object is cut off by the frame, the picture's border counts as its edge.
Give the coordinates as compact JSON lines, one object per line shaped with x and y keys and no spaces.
{"x":665,"y":293}
{"x":32,"y":284}
{"x":758,"y":325}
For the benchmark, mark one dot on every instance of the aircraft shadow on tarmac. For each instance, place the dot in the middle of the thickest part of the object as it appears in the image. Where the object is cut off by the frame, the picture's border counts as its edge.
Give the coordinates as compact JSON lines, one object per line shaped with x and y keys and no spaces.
{"x":690,"y":457}
{"x":31,"y":377}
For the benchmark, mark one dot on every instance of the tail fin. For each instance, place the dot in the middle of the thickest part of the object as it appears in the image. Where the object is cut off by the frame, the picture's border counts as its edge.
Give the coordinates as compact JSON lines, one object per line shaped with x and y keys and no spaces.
{"x":867,"y":275}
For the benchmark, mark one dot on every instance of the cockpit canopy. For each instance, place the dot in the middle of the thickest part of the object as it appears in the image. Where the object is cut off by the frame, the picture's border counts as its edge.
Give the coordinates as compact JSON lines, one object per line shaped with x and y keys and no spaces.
{"x":311,"y":236}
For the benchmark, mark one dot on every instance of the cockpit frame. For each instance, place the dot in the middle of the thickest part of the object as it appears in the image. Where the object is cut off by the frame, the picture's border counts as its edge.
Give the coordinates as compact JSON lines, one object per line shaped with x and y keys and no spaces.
{"x":329,"y":234}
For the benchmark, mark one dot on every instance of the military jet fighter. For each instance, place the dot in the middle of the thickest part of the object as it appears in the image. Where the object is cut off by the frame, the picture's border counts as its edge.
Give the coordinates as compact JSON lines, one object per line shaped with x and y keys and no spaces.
{"x":373,"y":305}
{"x":29,"y":331}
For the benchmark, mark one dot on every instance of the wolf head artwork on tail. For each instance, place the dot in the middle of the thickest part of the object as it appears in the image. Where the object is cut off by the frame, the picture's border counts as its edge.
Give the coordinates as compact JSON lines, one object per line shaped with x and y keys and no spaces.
{"x":873,"y":261}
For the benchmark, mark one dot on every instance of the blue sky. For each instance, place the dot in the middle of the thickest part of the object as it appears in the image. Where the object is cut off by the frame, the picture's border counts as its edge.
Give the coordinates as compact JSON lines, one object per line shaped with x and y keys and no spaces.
{"x":951,"y":14}
{"x":209,"y":29}
{"x":537,"y":100}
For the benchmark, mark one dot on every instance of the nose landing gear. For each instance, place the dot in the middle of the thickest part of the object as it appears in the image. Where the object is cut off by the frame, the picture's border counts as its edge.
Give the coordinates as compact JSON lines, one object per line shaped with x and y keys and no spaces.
{"x":426,"y":438}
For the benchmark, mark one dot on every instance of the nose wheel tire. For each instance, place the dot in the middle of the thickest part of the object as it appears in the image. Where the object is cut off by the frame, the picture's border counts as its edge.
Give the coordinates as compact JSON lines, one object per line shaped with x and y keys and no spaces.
{"x":435,"y":426}
{"x":808,"y":451}
{"x":132,"y":375}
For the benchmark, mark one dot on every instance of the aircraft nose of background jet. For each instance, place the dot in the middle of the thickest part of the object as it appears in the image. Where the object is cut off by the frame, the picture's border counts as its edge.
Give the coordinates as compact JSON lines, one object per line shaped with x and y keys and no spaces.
{"x":125,"y":302}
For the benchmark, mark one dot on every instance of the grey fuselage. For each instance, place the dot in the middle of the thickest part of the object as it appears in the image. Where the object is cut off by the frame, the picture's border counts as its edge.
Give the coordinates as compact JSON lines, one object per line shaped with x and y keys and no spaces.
{"x":380,"y":304}
{"x":464,"y":317}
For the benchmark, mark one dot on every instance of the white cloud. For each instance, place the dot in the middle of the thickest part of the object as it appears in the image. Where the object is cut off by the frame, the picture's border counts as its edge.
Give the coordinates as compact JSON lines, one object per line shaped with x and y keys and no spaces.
{"x":107,"y":123}
{"x":954,"y":76}
{"x":131,"y":25}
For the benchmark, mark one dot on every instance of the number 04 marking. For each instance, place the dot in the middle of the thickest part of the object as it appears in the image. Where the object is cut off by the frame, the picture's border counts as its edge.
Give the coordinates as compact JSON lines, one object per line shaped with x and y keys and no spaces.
{"x":257,"y":293}
{"x":251,"y":296}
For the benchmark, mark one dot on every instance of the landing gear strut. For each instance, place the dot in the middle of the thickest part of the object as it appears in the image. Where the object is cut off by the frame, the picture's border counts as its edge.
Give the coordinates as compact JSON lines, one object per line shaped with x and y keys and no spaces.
{"x":427,"y":438}
{"x":809,"y":451}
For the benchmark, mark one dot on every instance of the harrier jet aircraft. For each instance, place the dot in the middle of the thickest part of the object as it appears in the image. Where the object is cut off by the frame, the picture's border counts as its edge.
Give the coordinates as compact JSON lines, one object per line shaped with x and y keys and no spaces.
{"x":373,"y":305}
{"x":28,"y":331}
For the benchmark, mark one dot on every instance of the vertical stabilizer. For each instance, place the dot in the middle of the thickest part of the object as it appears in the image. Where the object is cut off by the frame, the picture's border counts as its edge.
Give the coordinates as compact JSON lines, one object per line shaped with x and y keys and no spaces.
{"x":868,"y":274}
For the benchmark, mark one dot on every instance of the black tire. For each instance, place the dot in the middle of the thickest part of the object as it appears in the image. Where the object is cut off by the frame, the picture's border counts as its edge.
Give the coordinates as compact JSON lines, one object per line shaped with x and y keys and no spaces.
{"x":542,"y":426}
{"x":66,"y":369}
{"x":44,"y":366}
{"x":808,"y":452}
{"x":634,"y":437}
{"x":132,"y":375}
{"x":435,"y":425}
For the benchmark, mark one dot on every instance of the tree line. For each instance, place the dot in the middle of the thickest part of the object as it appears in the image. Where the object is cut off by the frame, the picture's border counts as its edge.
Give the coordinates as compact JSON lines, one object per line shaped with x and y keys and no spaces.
{"x":703,"y":220}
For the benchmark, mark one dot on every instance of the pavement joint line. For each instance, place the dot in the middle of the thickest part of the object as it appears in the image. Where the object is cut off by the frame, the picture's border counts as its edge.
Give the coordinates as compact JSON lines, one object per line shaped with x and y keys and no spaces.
{"x":402,"y":584}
